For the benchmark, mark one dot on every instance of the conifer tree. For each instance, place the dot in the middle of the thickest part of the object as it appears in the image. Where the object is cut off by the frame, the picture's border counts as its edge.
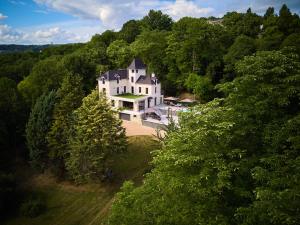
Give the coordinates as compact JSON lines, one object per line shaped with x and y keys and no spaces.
{"x":97,"y":134}
{"x":69,"y":97}
{"x":37,"y":127}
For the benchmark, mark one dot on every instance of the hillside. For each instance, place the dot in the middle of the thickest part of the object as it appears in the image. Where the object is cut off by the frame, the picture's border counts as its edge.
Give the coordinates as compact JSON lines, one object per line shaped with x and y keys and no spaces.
{"x":21,"y":48}
{"x":68,"y":204}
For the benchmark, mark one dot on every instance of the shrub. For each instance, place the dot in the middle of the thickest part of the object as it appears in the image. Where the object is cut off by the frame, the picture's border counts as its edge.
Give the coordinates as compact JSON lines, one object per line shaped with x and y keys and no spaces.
{"x":33,"y":207}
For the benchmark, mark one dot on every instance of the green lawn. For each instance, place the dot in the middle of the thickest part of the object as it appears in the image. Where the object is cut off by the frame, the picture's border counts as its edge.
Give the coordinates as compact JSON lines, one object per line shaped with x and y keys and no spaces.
{"x":129,"y":95}
{"x":89,"y":204}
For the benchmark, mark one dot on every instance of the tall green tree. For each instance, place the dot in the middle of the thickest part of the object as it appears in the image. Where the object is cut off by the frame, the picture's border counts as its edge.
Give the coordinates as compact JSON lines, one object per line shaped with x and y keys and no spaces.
{"x":130,"y":30}
{"x":38,"y":126}
{"x":242,"y":46}
{"x":80,"y":62}
{"x":45,"y":76}
{"x":69,"y":97}
{"x":151,"y":46}
{"x":156,"y":20}
{"x":12,"y":121}
{"x":231,"y":161}
{"x":119,"y":54}
{"x":97,"y":135}
{"x":288,"y":23}
{"x":201,"y":86}
{"x":242,"y":23}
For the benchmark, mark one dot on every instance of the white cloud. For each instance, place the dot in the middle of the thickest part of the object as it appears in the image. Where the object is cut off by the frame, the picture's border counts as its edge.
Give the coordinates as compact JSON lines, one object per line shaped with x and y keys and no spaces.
{"x":181,"y":8}
{"x":94,"y":16}
{"x":114,"y":13}
{"x":2,"y":17}
{"x":68,"y":32}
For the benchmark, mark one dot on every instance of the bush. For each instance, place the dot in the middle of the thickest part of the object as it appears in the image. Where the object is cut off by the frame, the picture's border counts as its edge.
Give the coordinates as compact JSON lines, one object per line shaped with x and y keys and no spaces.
{"x":33,"y":207}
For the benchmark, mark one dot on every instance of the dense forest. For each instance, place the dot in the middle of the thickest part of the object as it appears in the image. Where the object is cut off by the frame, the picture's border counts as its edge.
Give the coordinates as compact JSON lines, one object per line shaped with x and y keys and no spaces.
{"x":232,"y":159}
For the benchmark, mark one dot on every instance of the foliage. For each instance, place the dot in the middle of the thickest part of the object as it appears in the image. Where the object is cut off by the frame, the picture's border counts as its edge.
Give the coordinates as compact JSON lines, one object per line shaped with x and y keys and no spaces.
{"x":119,"y":53}
{"x":33,"y":207}
{"x":45,"y":76}
{"x":38,"y":125}
{"x":242,"y":46}
{"x":97,"y":135}
{"x":8,"y":196}
{"x":233,"y":160}
{"x":243,"y":23}
{"x":200,"y":86}
{"x":130,"y":30}
{"x":69,"y":97}
{"x":11,"y":121}
{"x":80,"y":63}
{"x":156,"y":20}
{"x":151,"y":46}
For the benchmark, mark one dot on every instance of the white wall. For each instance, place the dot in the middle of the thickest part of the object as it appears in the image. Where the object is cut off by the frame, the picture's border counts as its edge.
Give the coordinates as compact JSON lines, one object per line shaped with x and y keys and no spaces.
{"x":113,"y":85}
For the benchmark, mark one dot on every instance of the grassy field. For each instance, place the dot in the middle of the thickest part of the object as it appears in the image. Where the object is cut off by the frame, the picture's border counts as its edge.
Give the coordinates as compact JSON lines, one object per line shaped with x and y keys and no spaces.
{"x":129,"y":95}
{"x":89,"y":204}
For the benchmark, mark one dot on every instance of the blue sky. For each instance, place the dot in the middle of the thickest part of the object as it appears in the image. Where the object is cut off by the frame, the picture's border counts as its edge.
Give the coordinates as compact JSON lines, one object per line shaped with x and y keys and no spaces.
{"x":67,"y":21}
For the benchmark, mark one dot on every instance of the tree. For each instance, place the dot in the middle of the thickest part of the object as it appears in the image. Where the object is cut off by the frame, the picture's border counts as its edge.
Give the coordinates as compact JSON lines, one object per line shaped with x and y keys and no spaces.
{"x":150,"y":46}
{"x":242,"y":46}
{"x":119,"y":53}
{"x":38,"y":126}
{"x":45,"y":76}
{"x":293,"y":41}
{"x":201,"y":86}
{"x":130,"y":30}
{"x":156,"y":20}
{"x":232,"y":160}
{"x":11,"y":121}
{"x":288,"y":23}
{"x":97,"y":135}
{"x":80,"y":63}
{"x":69,"y":97}
{"x":242,"y":23}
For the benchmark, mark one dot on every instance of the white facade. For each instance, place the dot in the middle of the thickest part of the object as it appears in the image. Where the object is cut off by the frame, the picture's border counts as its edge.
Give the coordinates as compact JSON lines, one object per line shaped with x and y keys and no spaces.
{"x":144,"y":91}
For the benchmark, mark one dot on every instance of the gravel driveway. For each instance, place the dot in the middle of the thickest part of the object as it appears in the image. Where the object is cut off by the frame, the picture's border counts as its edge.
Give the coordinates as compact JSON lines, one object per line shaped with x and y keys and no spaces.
{"x":133,"y":129}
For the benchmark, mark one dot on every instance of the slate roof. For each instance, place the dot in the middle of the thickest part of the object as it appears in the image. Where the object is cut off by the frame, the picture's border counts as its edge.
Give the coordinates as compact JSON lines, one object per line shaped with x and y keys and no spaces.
{"x":137,"y":64}
{"x":146,"y":80}
{"x":113,"y":74}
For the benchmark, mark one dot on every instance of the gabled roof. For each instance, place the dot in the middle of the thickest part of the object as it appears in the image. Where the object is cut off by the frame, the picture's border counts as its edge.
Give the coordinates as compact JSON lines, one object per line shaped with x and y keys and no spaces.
{"x":147,"y":80}
{"x":137,"y":64}
{"x":114,"y":74}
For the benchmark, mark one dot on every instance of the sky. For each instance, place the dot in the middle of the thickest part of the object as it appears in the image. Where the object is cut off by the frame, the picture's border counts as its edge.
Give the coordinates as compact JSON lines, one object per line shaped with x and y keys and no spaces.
{"x":69,"y":21}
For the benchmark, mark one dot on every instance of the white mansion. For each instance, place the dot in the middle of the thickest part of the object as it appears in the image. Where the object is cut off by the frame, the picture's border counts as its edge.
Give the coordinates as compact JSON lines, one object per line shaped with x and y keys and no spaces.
{"x":131,"y":90}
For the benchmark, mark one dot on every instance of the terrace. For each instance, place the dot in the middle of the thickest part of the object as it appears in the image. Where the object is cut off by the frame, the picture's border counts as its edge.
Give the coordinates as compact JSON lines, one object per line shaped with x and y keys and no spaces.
{"x":129,"y":96}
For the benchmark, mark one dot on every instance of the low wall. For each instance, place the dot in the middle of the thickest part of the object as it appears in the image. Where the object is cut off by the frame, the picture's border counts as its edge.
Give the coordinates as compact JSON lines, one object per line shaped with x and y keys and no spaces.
{"x":153,"y":125}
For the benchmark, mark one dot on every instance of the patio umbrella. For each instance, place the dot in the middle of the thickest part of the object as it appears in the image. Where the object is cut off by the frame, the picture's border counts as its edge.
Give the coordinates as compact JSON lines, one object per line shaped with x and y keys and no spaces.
{"x":171,"y":99}
{"x":187,"y":100}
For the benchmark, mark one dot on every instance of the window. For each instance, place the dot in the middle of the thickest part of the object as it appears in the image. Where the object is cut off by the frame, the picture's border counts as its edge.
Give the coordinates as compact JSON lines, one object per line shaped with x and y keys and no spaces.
{"x":155,"y":89}
{"x":132,"y":90}
{"x":103,"y":90}
{"x":117,"y":90}
{"x":136,"y":70}
{"x":103,"y":81}
{"x":146,"y":90}
{"x":131,"y":79}
{"x":132,"y":71}
{"x":155,"y":101}
{"x":118,"y":80}
{"x":112,"y":102}
{"x":140,"y":89}
{"x":124,"y":89}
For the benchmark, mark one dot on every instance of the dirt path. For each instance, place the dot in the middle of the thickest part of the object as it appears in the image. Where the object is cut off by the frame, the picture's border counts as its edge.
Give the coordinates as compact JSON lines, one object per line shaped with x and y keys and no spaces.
{"x":133,"y":129}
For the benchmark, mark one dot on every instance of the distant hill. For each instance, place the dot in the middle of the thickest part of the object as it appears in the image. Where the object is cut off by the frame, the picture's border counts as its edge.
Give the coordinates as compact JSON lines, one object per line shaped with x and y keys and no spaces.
{"x":21,"y":48}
